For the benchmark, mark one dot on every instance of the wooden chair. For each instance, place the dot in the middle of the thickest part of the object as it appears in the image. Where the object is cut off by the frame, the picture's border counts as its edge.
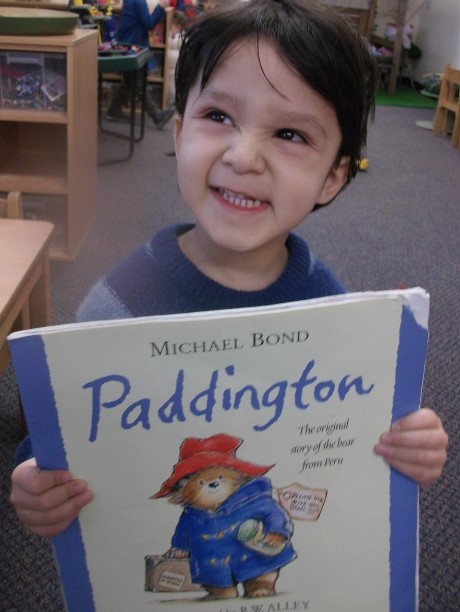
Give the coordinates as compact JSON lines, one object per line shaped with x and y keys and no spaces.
{"x":449,"y":102}
{"x":11,"y":207}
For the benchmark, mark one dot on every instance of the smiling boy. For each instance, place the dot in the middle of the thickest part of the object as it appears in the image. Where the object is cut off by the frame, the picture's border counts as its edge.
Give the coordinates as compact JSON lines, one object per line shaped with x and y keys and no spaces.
{"x":272,"y":101}
{"x":253,"y":165}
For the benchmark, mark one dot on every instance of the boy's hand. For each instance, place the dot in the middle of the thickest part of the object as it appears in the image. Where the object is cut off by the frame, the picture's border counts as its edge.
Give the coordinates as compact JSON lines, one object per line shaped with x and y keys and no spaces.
{"x":416,"y":446}
{"x":47,"y":501}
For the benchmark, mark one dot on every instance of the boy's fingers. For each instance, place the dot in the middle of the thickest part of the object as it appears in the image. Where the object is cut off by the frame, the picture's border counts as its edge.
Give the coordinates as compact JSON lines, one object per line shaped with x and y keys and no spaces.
{"x":50,"y":498}
{"x":414,"y":455}
{"x":421,"y":429}
{"x":425,"y":418}
{"x":28,"y":477}
{"x":50,"y":522}
{"x":421,"y":474}
{"x":47,"y":501}
{"x":417,"y":438}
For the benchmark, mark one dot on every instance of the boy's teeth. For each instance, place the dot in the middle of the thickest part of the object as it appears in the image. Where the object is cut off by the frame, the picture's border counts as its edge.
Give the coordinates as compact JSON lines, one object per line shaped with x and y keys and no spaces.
{"x":239,"y":199}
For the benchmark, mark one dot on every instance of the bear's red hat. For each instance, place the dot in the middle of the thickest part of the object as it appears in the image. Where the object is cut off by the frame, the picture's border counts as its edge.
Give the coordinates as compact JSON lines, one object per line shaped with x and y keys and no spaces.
{"x":198,"y":453}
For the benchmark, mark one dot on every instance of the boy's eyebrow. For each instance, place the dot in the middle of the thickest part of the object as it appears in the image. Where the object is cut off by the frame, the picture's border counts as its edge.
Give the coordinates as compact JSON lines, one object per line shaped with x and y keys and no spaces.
{"x":286,"y":118}
{"x":218,"y":96}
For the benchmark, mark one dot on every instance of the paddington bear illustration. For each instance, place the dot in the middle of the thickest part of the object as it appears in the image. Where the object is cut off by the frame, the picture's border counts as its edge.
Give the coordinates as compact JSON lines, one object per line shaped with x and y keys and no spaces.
{"x":231,"y":528}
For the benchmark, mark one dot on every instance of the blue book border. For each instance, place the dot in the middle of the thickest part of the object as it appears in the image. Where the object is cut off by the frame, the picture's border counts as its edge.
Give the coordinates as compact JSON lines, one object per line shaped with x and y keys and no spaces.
{"x":34,"y":380}
{"x":410,"y":367}
{"x":31,"y":367}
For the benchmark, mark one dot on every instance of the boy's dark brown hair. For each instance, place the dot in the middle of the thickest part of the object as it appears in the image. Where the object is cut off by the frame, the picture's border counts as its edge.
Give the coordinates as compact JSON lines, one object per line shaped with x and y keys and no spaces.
{"x":314,"y":40}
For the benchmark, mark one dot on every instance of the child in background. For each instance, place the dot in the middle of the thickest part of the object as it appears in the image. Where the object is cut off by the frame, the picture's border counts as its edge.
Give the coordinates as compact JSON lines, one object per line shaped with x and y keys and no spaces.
{"x":136,"y":21}
{"x":272,"y":103}
{"x":204,"y":6}
{"x":187,"y":7}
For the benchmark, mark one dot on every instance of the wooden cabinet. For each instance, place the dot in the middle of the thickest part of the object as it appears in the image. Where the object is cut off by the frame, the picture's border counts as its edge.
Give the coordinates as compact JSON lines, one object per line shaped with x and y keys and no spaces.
{"x":49,"y":152}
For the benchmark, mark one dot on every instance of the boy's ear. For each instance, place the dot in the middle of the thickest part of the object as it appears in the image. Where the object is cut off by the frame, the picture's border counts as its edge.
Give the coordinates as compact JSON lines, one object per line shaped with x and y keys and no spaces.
{"x":335,"y":180}
{"x":177,"y":132}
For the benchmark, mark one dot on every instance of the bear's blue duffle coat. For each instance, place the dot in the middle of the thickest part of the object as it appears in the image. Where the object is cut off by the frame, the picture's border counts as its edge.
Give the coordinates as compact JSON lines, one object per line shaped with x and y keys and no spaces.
{"x":217,"y":557}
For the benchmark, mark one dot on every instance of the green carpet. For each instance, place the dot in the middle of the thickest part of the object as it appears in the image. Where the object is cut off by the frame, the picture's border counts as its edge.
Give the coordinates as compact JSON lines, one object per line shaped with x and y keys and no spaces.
{"x":404,"y":96}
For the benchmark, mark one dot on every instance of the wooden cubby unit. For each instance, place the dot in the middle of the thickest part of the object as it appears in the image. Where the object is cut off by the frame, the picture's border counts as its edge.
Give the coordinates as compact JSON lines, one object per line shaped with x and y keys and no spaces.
{"x":50,"y":155}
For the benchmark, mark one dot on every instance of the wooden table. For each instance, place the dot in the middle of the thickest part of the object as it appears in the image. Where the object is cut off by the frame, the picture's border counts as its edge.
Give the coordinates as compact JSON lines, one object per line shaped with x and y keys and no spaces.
{"x":24,"y":278}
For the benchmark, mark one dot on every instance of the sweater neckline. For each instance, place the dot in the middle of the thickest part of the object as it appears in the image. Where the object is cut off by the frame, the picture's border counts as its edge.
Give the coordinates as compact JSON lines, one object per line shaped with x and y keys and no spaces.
{"x":197,"y":286}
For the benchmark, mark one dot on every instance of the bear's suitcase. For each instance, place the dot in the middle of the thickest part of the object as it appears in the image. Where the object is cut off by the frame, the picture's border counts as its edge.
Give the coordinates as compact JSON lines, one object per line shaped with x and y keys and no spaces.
{"x":165,"y":574}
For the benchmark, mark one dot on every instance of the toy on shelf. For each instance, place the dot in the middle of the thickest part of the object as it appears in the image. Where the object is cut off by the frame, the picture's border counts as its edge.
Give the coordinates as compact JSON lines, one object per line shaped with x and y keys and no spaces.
{"x":32,"y":81}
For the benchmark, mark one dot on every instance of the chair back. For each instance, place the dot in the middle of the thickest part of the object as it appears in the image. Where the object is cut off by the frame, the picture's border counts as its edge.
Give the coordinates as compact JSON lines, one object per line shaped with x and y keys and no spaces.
{"x":448,"y":109}
{"x":11,"y":207}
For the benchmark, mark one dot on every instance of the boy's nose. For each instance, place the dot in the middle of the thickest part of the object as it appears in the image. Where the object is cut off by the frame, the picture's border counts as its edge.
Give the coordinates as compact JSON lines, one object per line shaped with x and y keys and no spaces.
{"x":244,"y":154}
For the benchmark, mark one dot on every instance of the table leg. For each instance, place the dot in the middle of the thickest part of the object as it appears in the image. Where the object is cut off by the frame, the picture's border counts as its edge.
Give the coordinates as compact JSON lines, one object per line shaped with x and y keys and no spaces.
{"x":40,"y":299}
{"x":143,"y":102}
{"x":131,"y":137}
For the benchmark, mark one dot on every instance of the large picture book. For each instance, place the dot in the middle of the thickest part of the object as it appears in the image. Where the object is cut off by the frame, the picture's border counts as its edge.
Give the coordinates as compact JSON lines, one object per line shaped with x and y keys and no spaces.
{"x":230,"y":454}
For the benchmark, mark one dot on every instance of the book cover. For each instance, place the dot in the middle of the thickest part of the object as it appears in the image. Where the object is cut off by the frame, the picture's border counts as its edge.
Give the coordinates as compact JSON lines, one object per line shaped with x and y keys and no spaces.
{"x":230,"y":455}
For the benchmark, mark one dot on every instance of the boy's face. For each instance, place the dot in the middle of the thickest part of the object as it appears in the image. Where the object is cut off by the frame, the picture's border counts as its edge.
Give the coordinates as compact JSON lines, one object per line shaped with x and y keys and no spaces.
{"x":209,"y":5}
{"x":255,"y":153}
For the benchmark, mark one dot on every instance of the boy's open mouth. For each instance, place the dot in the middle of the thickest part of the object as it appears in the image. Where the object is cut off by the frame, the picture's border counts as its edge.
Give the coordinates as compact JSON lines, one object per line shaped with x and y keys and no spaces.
{"x":239,"y":199}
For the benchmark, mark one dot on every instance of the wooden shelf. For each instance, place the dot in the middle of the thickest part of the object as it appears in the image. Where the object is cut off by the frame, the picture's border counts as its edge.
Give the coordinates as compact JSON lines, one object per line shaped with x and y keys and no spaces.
{"x":363,"y":21}
{"x":33,"y":116}
{"x":35,"y":173}
{"x":153,"y":78}
{"x":51,"y":156}
{"x":396,"y":45}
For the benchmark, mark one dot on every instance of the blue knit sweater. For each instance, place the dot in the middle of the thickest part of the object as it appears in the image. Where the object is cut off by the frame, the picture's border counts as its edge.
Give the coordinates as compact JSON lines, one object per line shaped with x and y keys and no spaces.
{"x":157,"y":278}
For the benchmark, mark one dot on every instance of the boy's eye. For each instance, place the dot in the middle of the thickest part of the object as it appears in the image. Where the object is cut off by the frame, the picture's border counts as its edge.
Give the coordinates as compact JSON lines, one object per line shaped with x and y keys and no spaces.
{"x":292,"y":135}
{"x":219,"y":116}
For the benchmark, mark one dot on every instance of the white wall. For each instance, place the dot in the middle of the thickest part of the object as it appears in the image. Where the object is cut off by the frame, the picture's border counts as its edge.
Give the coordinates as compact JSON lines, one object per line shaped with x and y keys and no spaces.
{"x":439,"y":37}
{"x":437,"y":32}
